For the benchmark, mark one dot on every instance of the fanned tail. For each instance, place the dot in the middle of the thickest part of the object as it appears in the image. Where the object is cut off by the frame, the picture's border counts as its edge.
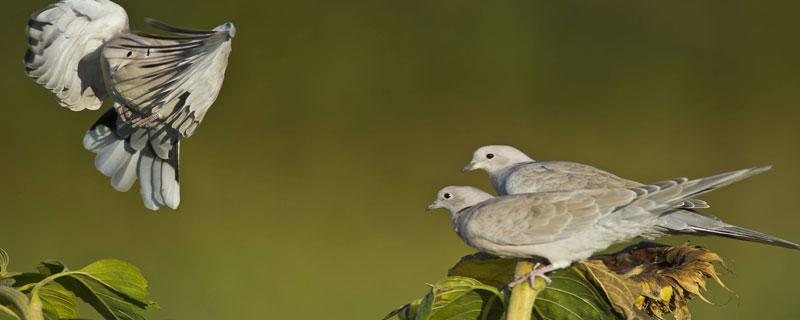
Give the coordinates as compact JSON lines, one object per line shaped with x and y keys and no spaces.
{"x":141,"y":154}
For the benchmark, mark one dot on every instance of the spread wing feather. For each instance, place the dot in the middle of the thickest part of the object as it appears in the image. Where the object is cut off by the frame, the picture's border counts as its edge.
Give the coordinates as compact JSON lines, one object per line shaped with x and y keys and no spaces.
{"x":178,"y":77}
{"x":63,"y":49}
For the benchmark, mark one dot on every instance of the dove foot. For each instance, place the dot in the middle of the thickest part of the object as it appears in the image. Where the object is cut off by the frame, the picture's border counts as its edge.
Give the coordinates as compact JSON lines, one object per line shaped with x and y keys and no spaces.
{"x":124,"y":113}
{"x":145,"y":120}
{"x":538,"y":271}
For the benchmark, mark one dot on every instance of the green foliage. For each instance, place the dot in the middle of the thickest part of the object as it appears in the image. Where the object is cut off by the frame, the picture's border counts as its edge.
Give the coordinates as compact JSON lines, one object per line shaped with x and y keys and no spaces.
{"x":114,"y":288}
{"x":461,"y":298}
{"x":643,"y":281}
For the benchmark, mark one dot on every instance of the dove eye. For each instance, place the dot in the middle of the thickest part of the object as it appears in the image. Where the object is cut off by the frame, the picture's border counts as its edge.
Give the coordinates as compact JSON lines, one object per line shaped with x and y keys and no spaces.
{"x":489,"y":155}
{"x":447,"y":196}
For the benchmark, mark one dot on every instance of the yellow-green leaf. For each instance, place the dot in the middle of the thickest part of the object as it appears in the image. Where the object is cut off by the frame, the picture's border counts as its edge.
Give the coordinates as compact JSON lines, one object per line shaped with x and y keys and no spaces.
{"x":461,"y":298}
{"x":58,"y":303}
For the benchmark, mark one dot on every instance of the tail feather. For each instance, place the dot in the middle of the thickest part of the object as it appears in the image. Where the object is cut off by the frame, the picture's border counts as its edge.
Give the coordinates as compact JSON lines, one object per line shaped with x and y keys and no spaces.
{"x":124,"y":163}
{"x":689,"y":222}
{"x":673,"y":193}
{"x":125,"y":177}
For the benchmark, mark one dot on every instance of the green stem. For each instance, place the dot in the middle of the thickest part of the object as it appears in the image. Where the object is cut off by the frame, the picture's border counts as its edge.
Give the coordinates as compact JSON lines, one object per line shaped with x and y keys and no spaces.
{"x":8,"y":311}
{"x":20,"y":301}
{"x":523,"y":295}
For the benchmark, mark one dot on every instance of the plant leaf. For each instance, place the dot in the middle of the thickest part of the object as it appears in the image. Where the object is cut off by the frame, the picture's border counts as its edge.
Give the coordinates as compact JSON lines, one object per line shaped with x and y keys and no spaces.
{"x":622,"y":291}
{"x":57,"y":302}
{"x":20,"y":279}
{"x":572,"y":296}
{"x":461,"y":298}
{"x":4,"y":259}
{"x":486,"y":268}
{"x":5,"y":316}
{"x":114,"y":288}
{"x":51,"y":267}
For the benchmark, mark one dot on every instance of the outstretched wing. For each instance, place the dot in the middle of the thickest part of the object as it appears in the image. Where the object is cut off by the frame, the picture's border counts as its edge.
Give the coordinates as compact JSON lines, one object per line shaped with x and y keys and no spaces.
{"x":63,"y":49}
{"x":176,"y":77}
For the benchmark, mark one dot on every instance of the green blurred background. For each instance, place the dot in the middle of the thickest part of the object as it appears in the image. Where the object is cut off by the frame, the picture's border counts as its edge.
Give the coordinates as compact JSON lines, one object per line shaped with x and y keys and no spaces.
{"x":303,"y":190}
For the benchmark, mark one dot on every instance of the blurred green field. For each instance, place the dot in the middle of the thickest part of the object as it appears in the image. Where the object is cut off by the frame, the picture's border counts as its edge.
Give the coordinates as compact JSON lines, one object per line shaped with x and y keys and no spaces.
{"x":303,"y":192}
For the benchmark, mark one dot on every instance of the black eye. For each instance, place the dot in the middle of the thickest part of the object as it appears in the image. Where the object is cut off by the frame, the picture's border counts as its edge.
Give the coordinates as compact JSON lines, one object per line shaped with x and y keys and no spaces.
{"x":447,"y":196}
{"x":489,"y":155}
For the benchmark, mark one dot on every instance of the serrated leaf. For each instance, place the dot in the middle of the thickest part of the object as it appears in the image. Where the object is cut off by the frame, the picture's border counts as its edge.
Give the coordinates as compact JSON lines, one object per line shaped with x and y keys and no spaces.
{"x":460,"y":298}
{"x":4,"y":259}
{"x":58,"y":303}
{"x":114,"y":288}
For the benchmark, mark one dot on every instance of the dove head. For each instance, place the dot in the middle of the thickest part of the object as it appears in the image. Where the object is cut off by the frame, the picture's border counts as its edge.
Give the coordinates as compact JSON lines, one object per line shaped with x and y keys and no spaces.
{"x":495,"y":158}
{"x":227,"y":26}
{"x":456,"y":198}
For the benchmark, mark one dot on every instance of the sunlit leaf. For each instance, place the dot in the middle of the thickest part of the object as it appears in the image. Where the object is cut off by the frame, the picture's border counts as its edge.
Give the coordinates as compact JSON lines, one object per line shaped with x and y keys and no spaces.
{"x":486,"y":268}
{"x":4,"y":259}
{"x":58,"y":303}
{"x":51,"y":267}
{"x":405,"y":312}
{"x":570,"y":296}
{"x":460,"y":298}
{"x":114,"y":288}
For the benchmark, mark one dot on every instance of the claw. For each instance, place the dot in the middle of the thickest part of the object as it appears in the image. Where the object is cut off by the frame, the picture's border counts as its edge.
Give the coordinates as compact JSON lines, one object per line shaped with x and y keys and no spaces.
{"x":538,"y":271}
{"x":143,"y":121}
{"x":124,"y":113}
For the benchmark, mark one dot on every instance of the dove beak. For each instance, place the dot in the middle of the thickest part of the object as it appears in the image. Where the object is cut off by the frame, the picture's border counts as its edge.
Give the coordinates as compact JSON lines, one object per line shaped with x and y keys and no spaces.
{"x":432,"y":206}
{"x":468,"y":167}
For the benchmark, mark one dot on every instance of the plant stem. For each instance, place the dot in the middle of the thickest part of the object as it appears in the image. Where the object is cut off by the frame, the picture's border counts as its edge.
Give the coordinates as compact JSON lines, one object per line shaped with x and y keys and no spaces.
{"x":20,"y":301}
{"x":8,"y":311}
{"x":523,"y":295}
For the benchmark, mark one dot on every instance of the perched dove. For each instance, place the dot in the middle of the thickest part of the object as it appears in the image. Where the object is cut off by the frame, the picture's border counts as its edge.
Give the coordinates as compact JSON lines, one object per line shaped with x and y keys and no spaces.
{"x":161,"y":87}
{"x":513,"y":172}
{"x":569,"y":226}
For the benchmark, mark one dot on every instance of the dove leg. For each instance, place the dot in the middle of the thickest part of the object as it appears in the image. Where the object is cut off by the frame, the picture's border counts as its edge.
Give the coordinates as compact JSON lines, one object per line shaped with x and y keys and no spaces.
{"x":143,"y":121}
{"x":538,"y":271}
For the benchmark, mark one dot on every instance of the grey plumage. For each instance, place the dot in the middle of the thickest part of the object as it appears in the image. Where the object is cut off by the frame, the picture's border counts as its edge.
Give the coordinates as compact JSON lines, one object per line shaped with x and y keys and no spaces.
{"x":569,"y":226}
{"x":161,"y":87}
{"x":513,"y":172}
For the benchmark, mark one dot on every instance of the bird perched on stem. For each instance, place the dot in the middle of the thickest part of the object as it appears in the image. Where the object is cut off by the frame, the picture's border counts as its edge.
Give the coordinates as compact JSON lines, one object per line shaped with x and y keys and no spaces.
{"x":160,"y":86}
{"x":569,"y":226}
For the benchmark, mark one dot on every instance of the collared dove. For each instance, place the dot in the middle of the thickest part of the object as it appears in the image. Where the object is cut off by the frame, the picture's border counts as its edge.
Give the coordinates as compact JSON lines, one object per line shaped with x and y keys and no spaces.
{"x":513,"y":172}
{"x":569,"y":226}
{"x":161,"y":87}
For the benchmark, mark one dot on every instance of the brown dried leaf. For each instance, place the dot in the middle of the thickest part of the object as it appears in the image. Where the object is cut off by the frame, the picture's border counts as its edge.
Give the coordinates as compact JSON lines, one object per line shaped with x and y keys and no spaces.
{"x":620,"y":290}
{"x":669,"y":276}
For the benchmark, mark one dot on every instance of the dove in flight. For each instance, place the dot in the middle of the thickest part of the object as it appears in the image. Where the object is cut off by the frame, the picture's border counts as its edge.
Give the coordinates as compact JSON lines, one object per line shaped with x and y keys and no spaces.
{"x":161,"y":87}
{"x":569,"y":226}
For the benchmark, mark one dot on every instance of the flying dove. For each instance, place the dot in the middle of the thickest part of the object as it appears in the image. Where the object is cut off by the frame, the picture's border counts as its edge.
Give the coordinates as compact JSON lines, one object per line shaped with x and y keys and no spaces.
{"x":569,"y":226}
{"x":160,"y":86}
